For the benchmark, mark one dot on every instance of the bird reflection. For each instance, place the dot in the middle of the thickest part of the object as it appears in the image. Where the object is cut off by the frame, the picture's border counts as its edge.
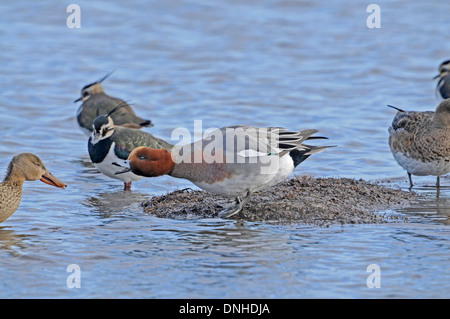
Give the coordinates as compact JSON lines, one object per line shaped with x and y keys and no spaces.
{"x":432,"y":202}
{"x":11,"y":241}
{"x":108,"y":204}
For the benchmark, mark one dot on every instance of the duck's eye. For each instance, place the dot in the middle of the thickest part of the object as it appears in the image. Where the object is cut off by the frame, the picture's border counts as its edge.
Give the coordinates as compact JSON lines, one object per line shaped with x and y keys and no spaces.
{"x":141,"y":157}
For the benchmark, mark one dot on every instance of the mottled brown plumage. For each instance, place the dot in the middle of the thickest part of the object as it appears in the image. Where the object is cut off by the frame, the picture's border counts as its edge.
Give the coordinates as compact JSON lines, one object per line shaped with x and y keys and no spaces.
{"x":23,"y":167}
{"x":420,"y":141}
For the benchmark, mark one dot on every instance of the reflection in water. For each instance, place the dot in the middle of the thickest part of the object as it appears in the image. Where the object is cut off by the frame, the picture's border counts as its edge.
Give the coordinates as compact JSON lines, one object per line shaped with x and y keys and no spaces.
{"x":12,"y":242}
{"x":107,"y":204}
{"x":433,"y":205}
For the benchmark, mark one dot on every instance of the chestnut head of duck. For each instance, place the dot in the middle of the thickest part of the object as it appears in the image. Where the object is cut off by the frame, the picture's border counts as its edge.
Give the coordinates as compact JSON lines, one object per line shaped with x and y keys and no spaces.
{"x":149,"y":162}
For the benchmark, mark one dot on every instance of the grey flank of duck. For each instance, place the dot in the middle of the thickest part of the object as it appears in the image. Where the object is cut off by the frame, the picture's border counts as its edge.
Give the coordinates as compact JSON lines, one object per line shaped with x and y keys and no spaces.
{"x":420,"y":141}
{"x":96,"y":102}
{"x":23,"y":167}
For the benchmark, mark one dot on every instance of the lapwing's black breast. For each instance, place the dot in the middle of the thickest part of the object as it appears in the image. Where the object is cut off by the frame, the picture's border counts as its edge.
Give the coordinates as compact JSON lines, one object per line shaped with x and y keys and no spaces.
{"x":98,"y":151}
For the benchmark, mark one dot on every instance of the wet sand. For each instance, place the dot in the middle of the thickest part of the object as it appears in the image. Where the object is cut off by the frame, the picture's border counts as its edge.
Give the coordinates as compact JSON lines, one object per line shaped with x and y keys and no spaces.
{"x":300,"y":200}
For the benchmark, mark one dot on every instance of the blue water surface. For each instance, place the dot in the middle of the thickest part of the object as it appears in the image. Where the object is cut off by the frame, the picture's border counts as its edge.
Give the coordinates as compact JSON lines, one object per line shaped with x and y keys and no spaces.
{"x":296,"y":64}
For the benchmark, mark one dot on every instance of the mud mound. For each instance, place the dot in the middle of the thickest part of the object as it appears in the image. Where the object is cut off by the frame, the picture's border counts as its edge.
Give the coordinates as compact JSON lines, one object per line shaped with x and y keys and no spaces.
{"x":304,"y":200}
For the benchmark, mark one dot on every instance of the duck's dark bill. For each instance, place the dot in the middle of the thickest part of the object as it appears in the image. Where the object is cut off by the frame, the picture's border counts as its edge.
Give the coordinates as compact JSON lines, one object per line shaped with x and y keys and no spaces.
{"x":125,"y":169}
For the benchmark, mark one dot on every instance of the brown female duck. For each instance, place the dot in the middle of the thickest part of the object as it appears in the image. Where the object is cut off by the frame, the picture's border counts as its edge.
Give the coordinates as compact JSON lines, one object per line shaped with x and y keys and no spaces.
{"x":23,"y":167}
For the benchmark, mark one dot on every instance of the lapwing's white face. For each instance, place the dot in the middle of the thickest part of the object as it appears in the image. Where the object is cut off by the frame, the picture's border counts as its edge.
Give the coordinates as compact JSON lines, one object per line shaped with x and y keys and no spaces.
{"x":90,"y":90}
{"x":103,"y":128}
{"x":86,"y":93}
{"x":444,"y":69}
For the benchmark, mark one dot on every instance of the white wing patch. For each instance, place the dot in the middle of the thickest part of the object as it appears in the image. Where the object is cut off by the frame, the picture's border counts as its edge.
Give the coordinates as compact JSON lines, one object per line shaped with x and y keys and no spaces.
{"x":251,"y":153}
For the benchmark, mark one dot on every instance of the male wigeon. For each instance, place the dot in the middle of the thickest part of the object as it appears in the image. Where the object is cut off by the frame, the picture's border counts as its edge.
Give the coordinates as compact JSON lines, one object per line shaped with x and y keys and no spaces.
{"x":232,"y":161}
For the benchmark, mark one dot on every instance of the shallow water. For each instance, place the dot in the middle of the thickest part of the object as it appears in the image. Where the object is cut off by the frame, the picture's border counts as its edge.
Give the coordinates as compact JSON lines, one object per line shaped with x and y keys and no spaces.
{"x":296,"y":64}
